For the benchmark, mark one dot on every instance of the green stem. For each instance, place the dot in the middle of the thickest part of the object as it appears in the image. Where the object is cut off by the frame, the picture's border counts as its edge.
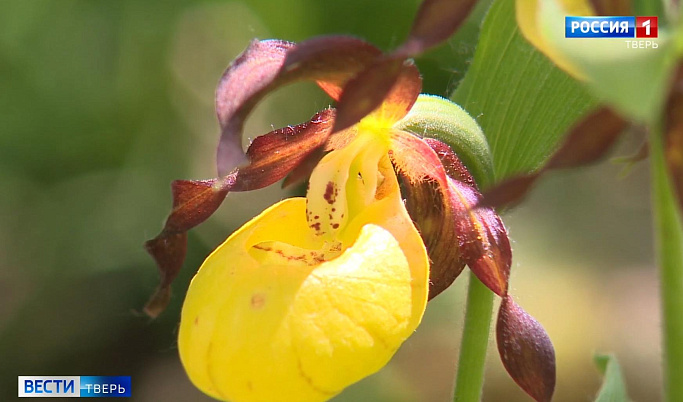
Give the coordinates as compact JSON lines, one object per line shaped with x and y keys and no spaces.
{"x":669,"y":249}
{"x":475,"y":339}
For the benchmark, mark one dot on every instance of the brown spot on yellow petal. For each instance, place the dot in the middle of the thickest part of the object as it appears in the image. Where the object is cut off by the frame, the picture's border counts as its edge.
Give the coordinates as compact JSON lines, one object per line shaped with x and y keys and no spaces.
{"x":330,"y":193}
{"x":258,"y":300}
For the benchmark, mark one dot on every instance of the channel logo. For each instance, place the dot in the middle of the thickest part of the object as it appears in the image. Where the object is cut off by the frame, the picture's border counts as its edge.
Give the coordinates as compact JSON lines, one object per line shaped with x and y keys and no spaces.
{"x":646,"y":27}
{"x":610,"y":27}
{"x":74,"y":386}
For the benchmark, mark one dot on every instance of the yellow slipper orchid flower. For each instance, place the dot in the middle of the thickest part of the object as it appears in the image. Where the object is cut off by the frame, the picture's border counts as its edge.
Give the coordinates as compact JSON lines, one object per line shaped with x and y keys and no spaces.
{"x":319,"y":292}
{"x":313,"y":294}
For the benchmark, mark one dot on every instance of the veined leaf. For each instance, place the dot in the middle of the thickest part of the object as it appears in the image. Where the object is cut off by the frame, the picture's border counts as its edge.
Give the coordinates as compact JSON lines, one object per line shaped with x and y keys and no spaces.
{"x":523,"y":103}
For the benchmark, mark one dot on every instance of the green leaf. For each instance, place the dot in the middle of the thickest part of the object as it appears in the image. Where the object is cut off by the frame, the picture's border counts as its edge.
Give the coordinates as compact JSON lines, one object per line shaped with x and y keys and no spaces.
{"x":523,"y":103}
{"x":613,"y":388}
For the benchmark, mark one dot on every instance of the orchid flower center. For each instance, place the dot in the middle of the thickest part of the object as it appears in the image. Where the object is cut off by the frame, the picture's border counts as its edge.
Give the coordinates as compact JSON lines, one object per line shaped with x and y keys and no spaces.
{"x":350,"y":179}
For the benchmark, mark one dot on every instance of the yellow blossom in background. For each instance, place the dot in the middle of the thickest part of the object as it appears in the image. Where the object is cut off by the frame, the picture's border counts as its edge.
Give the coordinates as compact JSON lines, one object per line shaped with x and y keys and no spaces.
{"x":530,"y":17}
{"x":633,"y":81}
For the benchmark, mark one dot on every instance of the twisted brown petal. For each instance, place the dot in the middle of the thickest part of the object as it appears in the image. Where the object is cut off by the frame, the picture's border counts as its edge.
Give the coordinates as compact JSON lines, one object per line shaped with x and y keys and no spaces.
{"x":526,"y":351}
{"x":169,"y":252}
{"x":482,"y":238}
{"x":267,"y":65}
{"x":242,"y":85}
{"x":392,"y":84}
{"x":303,"y":170}
{"x":193,"y":202}
{"x":436,"y":20}
{"x":333,"y":59}
{"x":442,"y":208}
{"x":272,"y":156}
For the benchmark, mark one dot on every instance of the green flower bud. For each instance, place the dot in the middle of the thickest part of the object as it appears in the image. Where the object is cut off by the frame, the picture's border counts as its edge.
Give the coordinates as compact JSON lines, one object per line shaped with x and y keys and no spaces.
{"x":435,"y":117}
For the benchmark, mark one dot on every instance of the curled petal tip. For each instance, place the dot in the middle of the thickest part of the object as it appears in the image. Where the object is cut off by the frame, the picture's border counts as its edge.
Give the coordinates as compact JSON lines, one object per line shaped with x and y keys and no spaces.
{"x":168,"y":250}
{"x":158,"y":302}
{"x":243,"y":84}
{"x":486,"y":249}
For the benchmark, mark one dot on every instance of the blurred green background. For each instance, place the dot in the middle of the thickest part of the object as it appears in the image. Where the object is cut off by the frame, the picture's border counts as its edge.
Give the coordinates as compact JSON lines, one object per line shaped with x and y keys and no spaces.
{"x":104,"y":103}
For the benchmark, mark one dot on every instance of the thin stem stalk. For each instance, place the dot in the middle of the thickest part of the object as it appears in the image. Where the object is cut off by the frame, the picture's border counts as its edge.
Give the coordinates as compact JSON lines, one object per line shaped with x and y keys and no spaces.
{"x":669,"y":250}
{"x":470,"y":378}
